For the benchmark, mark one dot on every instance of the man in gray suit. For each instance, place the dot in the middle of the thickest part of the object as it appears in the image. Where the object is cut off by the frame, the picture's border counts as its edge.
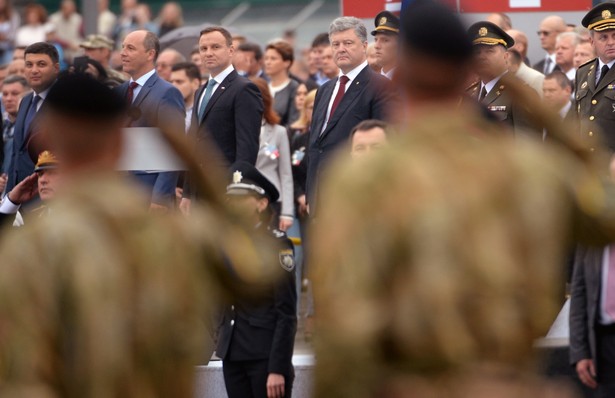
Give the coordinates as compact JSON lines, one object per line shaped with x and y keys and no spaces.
{"x":592,"y":319}
{"x":155,"y":103}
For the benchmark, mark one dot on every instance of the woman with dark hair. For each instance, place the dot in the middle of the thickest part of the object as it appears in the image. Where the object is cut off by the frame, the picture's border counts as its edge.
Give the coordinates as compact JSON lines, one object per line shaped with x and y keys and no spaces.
{"x":278,"y":59}
{"x":274,"y":159}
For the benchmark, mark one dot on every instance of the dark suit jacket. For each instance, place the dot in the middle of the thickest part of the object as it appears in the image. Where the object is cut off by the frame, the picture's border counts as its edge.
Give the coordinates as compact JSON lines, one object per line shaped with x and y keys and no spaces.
{"x":232,"y":123}
{"x":584,"y":303}
{"x":539,"y":66}
{"x":161,"y":105}
{"x":368,"y":97}
{"x":264,"y":327}
{"x":21,"y":164}
{"x":232,"y":120}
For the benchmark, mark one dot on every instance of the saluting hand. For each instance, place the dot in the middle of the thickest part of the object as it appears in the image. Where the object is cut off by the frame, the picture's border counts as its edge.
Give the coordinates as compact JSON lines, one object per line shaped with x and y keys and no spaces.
{"x":25,"y":190}
{"x":275,"y":385}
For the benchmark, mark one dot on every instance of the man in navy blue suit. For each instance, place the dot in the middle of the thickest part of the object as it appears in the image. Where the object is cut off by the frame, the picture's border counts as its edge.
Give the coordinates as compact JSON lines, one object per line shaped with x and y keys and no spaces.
{"x":155,"y":103}
{"x":41,"y":71}
{"x":356,"y":95}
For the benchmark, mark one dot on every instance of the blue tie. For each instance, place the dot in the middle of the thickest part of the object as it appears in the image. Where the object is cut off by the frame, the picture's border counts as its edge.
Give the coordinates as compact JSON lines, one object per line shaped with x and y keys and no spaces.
{"x":208,"y":91}
{"x":30,"y":115}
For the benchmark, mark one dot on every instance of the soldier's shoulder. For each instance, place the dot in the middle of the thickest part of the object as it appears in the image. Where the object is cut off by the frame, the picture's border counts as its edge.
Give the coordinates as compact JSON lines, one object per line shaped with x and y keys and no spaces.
{"x":473,"y":87}
{"x":586,"y":67}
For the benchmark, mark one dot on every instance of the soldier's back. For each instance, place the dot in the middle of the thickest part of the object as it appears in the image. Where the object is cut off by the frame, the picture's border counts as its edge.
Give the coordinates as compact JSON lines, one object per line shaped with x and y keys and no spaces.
{"x":103,"y":299}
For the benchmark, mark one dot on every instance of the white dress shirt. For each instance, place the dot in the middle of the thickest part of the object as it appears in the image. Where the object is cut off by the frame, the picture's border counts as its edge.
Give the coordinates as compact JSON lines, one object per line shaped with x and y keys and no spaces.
{"x":600,"y":65}
{"x":219,"y":78}
{"x":141,"y":81}
{"x":603,"y":317}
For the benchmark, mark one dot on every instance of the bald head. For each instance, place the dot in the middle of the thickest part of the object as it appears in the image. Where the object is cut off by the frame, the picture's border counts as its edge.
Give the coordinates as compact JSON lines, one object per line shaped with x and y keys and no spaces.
{"x":139,"y":52}
{"x":520,"y":41}
{"x":549,"y":28}
{"x":165,"y":62}
{"x":500,"y":19}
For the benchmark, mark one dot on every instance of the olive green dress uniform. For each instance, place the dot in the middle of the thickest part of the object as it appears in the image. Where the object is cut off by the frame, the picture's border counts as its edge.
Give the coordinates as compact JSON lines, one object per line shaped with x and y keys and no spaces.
{"x":595,"y":103}
{"x":497,"y":101}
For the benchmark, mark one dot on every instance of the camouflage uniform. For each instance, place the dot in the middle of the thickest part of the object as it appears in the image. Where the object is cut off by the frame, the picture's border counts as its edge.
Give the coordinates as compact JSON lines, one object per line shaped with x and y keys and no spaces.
{"x":456,"y":267}
{"x":103,"y":299}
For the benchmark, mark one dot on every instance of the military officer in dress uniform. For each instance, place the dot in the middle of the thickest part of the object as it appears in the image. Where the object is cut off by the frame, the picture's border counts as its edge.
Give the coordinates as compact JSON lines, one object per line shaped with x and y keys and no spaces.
{"x":491,"y":46}
{"x":595,"y":80}
{"x":256,"y":339}
{"x":386,"y":40}
{"x":43,"y":182}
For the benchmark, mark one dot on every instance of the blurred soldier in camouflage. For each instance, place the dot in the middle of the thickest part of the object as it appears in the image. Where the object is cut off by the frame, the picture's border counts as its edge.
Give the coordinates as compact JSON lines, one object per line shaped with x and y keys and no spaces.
{"x":101,"y":298}
{"x":444,"y":261}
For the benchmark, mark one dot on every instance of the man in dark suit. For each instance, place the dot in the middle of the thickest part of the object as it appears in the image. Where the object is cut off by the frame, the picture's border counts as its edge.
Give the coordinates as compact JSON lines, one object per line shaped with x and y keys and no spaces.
{"x":595,"y":81}
{"x":228,"y":109}
{"x":42,"y":69}
{"x":592,"y":319}
{"x":155,"y":103}
{"x":548,"y":30}
{"x":257,"y":335}
{"x":556,"y":90}
{"x":357,"y":94}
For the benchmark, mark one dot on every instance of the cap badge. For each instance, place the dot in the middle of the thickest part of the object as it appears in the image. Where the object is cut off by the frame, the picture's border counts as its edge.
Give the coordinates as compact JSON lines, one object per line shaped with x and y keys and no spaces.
{"x":482,"y":31}
{"x":606,"y":14}
{"x":237,"y":177}
{"x":383,"y":20}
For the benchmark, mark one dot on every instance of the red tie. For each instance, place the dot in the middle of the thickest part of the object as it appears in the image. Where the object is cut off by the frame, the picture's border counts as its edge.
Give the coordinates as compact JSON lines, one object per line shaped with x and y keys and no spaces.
{"x":340,"y":93}
{"x":131,"y":92}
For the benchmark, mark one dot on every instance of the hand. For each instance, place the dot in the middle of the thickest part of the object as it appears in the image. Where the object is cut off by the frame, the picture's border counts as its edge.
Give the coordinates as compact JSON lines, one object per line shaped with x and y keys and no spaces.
{"x":285,"y":223}
{"x":3,"y":179}
{"x":275,"y":385}
{"x":25,"y":190}
{"x":303,"y":209}
{"x":184,"y":206}
{"x":587,"y":372}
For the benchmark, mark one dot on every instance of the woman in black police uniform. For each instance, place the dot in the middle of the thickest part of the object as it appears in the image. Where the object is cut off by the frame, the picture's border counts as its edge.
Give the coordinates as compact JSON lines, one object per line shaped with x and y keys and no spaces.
{"x":256,"y":338}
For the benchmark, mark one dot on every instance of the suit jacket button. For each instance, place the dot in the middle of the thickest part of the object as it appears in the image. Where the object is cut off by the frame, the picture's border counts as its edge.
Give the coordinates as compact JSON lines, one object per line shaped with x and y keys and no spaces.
{"x":594,"y":102}
{"x":591,"y":133}
{"x":320,"y":151}
{"x":591,"y":118}
{"x":232,"y":322}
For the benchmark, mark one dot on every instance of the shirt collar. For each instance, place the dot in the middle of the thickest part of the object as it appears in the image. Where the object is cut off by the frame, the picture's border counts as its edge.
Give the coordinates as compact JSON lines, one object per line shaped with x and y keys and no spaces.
{"x":489,"y":85}
{"x":143,"y":79}
{"x":219,"y":78}
{"x":388,"y":74}
{"x":601,"y":64}
{"x":43,"y":94}
{"x":355,"y":72}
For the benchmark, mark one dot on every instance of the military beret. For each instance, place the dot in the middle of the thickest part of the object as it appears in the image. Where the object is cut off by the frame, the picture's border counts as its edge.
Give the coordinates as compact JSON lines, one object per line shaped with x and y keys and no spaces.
{"x":433,"y":29}
{"x":79,"y":94}
{"x":487,"y":33}
{"x":97,"y":41}
{"x":385,"y":22}
{"x":600,"y":17}
{"x":245,"y":179}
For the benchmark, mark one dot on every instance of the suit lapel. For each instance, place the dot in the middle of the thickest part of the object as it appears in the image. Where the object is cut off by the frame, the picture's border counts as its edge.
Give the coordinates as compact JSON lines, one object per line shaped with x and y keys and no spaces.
{"x":322,"y":108}
{"x":591,"y":76}
{"x":356,"y":88}
{"x":220,"y":90}
{"x":20,"y":135}
{"x":145,"y":90}
{"x":495,"y":92}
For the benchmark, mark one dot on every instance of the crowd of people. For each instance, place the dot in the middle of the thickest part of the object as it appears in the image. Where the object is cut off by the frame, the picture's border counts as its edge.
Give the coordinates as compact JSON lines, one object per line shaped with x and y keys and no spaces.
{"x":263,"y":125}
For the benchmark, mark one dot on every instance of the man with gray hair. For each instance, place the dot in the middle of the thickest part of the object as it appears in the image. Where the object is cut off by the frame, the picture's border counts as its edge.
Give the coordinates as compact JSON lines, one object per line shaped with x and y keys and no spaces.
{"x":357,"y":94}
{"x":165,"y":62}
{"x":565,"y":44}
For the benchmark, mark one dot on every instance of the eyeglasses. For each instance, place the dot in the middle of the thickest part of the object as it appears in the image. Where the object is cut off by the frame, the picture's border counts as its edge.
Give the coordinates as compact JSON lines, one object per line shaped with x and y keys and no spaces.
{"x":543,"y":33}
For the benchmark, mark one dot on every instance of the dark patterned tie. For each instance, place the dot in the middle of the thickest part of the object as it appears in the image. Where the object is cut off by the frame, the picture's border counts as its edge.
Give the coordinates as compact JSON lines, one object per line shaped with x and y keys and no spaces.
{"x":340,"y":93}
{"x":483,"y":94}
{"x":30,"y":115}
{"x":131,"y":92}
{"x":603,"y":72}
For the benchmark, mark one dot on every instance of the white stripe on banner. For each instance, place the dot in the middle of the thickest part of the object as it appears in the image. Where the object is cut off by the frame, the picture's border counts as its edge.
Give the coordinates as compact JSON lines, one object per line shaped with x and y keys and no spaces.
{"x":393,"y":6}
{"x":524,"y":3}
